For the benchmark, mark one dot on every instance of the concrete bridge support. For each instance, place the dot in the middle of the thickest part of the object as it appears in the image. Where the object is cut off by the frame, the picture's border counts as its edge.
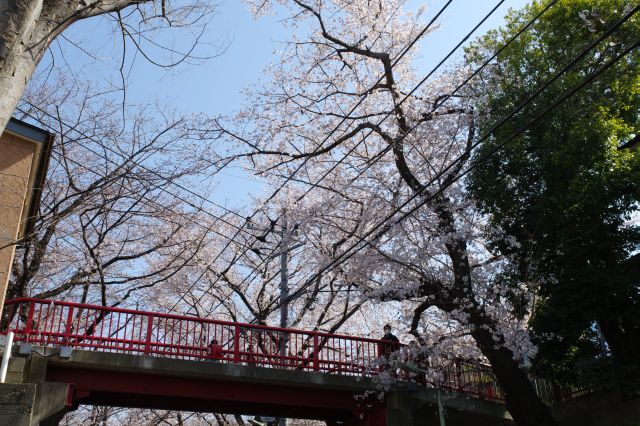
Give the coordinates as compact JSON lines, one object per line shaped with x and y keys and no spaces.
{"x":16,"y":404}
{"x":27,"y":399}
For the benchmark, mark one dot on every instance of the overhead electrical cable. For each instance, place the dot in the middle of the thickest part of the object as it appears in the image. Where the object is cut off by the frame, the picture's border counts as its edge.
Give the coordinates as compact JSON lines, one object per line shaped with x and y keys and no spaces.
{"x":467,"y":80}
{"x":292,"y":175}
{"x":441,"y":101}
{"x":422,"y":81}
{"x":452,"y":51}
{"x":141,"y":166}
{"x":144,"y":197}
{"x":348,"y":253}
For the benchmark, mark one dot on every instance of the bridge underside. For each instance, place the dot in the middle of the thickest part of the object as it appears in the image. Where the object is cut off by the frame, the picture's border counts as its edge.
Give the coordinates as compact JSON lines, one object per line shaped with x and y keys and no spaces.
{"x":95,"y":378}
{"x":125,"y":389}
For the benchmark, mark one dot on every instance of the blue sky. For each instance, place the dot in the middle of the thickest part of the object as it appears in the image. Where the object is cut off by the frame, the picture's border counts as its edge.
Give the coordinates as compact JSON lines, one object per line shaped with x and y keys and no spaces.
{"x":214,"y":86}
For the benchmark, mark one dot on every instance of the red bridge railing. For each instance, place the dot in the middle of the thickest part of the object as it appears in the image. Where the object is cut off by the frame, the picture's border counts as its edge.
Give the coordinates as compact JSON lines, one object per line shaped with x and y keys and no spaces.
{"x":106,"y":329}
{"x":92,"y":327}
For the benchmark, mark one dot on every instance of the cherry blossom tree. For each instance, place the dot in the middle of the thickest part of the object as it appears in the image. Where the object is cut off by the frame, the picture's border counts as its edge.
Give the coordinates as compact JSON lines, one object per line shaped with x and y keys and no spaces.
{"x":114,"y":229}
{"x":102,"y":416}
{"x":109,"y":229}
{"x":241,"y":279}
{"x":370,"y":166}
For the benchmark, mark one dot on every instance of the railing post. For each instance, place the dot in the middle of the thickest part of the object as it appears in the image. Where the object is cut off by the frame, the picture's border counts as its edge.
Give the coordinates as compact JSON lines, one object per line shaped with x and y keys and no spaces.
{"x":69,"y":327}
{"x":147,"y":346}
{"x":29,"y":320}
{"x":316,"y":354}
{"x":458,"y":373}
{"x":5,"y":356}
{"x":236,"y":344}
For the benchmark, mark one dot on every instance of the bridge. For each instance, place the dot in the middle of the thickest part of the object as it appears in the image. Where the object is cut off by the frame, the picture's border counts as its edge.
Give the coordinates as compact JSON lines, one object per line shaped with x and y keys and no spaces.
{"x":67,"y":354}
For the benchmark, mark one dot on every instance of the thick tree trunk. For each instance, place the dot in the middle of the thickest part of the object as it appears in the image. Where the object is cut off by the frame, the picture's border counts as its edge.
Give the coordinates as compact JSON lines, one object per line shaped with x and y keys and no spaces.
{"x":522,"y":401}
{"x":621,"y":329}
{"x":22,"y":44}
{"x":27,"y":28}
{"x":623,"y":338}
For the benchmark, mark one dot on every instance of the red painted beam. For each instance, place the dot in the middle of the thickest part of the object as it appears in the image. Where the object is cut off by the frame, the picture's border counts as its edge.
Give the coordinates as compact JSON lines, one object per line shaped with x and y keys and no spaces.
{"x":195,"y":394}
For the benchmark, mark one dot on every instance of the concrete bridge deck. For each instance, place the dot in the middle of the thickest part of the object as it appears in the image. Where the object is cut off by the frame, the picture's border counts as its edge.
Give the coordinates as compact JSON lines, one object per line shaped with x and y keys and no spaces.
{"x":61,"y":384}
{"x":69,"y":354}
{"x":87,"y":354}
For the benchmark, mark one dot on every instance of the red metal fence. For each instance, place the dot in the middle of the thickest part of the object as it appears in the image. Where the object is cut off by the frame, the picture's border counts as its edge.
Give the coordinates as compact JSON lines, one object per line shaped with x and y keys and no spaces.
{"x":99,"y":328}
{"x":92,"y":327}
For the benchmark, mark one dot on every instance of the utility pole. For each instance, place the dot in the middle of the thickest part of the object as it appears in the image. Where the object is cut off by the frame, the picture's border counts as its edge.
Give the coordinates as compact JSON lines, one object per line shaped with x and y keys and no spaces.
{"x":284,"y":283}
{"x":285,"y":247}
{"x":440,"y":407}
{"x":284,"y":292}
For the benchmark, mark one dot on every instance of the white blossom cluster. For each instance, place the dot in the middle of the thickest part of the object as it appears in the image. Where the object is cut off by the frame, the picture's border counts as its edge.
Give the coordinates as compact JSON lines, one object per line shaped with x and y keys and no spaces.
{"x":338,"y":124}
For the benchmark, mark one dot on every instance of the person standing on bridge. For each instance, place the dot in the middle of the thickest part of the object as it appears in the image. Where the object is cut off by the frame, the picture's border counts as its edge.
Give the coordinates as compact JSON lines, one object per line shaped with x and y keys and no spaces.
{"x":388,"y":345}
{"x":390,"y":342}
{"x":215,"y":351}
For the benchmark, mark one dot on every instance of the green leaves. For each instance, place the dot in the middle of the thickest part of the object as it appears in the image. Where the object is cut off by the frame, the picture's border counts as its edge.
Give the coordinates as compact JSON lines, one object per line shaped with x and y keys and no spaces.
{"x":564,"y":189}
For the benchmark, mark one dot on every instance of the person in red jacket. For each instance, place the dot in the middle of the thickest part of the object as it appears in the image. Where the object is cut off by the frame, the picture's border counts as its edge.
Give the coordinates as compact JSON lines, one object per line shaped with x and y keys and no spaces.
{"x":215,"y":351}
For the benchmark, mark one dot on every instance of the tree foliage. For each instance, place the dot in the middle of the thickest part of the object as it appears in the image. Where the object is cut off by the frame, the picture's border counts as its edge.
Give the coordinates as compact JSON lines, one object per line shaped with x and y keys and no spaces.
{"x":565,"y":190}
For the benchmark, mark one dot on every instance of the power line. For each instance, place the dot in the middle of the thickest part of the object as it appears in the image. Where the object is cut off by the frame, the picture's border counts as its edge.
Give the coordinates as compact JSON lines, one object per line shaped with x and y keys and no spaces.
{"x":397,"y":59}
{"x":362,"y":98}
{"x":141,"y":166}
{"x":443,"y":99}
{"x":422,"y":81}
{"x":440,"y":190}
{"x":466,"y":37}
{"x":348,"y":254}
{"x":504,"y":46}
{"x":291,"y":176}
{"x":158,"y":205}
{"x":240,"y":228}
{"x":229,"y":239}
{"x":452,"y":51}
{"x":208,"y":229}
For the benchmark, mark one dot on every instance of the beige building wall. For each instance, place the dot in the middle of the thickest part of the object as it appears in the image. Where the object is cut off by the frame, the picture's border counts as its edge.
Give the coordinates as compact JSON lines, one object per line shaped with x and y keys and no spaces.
{"x":16,"y":166}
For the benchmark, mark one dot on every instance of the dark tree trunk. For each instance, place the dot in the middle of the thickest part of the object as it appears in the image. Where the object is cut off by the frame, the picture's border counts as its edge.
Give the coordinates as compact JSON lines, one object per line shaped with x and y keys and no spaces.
{"x":524,"y":404}
{"x":623,"y":337}
{"x":522,"y":401}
